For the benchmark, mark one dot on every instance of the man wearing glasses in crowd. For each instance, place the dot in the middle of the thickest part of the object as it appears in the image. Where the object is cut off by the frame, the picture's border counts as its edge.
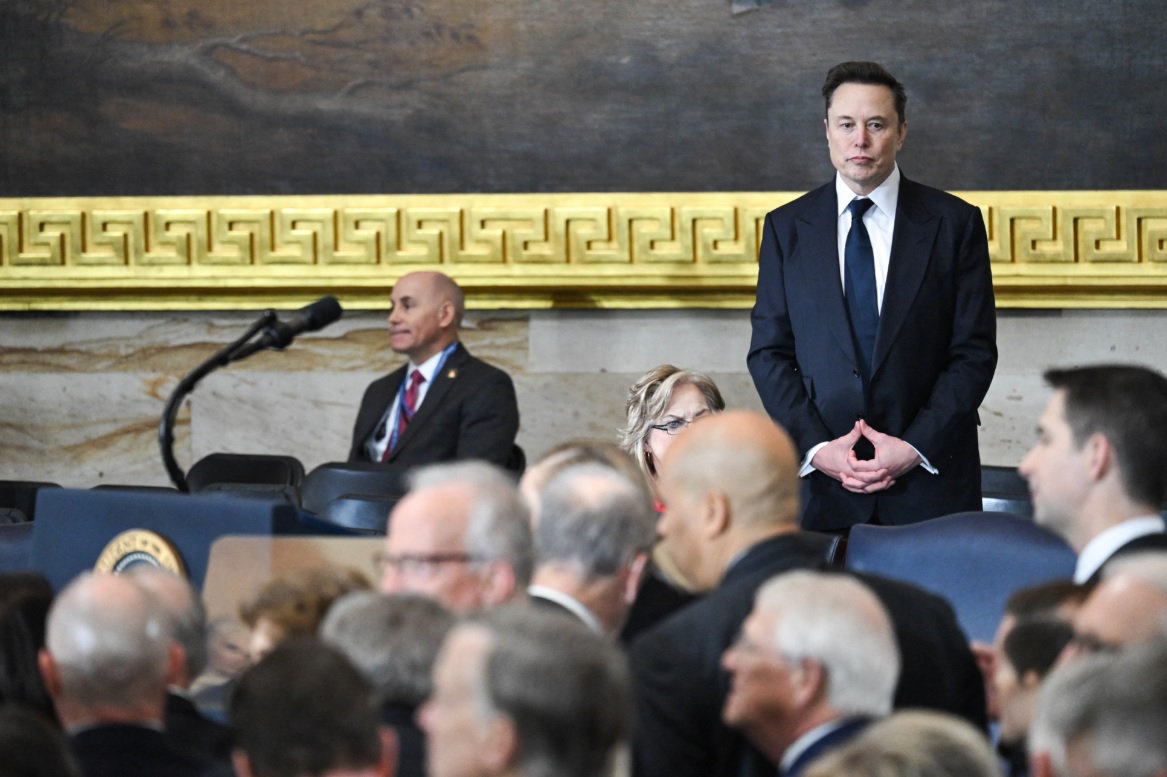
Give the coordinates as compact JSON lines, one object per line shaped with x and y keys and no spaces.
{"x":461,"y":535}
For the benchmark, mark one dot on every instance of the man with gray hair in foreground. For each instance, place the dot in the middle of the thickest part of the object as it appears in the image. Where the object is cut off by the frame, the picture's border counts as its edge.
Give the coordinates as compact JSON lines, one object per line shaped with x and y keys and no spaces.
{"x":392,"y":640}
{"x":109,"y":656}
{"x":1104,"y":716}
{"x":592,"y":541}
{"x":816,"y":661}
{"x":522,"y":692}
{"x":462,"y":536}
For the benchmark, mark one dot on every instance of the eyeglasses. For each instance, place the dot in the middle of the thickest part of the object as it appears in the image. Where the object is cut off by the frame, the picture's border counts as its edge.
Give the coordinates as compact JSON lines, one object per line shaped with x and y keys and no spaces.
{"x":1089,"y":644}
{"x":677,"y":425}
{"x":419,"y":563}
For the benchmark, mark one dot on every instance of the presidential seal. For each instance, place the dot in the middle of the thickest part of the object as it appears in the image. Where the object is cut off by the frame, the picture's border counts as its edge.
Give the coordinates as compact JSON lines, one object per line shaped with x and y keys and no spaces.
{"x":139,"y":547}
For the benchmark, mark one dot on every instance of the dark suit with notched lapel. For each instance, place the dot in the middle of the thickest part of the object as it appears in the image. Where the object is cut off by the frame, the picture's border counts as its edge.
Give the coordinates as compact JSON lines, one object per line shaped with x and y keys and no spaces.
{"x":935,"y":350}
{"x":469,"y":412}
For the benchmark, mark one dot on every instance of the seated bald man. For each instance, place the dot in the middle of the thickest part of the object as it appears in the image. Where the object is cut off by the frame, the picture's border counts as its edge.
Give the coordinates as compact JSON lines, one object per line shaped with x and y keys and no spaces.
{"x":444,"y":405}
{"x":731,"y":491}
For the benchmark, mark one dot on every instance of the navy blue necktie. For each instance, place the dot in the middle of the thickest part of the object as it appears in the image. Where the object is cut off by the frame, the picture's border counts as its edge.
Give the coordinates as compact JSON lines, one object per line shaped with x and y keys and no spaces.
{"x":859,"y":286}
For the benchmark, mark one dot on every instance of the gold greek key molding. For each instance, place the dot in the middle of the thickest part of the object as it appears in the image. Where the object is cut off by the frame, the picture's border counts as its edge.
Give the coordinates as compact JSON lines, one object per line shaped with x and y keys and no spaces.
{"x":1048,"y":249}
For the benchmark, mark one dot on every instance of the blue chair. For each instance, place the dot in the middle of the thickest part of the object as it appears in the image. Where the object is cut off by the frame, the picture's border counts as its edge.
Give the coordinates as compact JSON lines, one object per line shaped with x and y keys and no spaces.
{"x":16,"y":547}
{"x":975,"y":560}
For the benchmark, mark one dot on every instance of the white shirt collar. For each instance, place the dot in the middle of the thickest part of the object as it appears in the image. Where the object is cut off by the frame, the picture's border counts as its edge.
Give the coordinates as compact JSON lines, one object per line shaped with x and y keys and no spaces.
{"x":1102,"y":547}
{"x":427,"y":368}
{"x":885,"y":196}
{"x":570,"y":603}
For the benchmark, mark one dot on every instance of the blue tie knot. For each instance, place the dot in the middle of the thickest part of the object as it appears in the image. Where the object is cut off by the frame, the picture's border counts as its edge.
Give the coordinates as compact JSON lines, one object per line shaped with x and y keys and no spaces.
{"x":858,"y":207}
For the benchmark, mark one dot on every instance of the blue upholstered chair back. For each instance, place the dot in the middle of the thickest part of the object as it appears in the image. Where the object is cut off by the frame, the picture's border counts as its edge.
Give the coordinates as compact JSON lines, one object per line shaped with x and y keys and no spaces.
{"x":975,"y":560}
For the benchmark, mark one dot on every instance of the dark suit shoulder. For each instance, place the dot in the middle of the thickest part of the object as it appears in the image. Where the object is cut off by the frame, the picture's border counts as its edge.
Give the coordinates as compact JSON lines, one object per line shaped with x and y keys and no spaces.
{"x":939,"y":670}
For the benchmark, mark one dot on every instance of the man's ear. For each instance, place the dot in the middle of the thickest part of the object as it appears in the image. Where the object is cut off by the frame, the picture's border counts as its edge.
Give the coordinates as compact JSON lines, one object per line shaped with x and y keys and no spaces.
{"x":810,"y":683}
{"x":241,"y":762}
{"x":634,"y":576}
{"x":49,"y":672}
{"x":500,"y":745}
{"x":176,"y":674}
{"x":1100,"y":455}
{"x":498,"y":582}
{"x":1040,"y":765}
{"x":446,"y":314}
{"x":388,"y":764}
{"x":715,"y":514}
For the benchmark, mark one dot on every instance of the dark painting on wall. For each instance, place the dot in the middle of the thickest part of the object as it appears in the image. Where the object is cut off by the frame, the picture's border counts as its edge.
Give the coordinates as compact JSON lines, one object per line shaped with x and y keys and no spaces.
{"x":157,"y":97}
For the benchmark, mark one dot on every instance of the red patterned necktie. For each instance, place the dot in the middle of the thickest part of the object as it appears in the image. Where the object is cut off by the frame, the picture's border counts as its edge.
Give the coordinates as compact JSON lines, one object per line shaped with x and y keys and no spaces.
{"x":408,"y":407}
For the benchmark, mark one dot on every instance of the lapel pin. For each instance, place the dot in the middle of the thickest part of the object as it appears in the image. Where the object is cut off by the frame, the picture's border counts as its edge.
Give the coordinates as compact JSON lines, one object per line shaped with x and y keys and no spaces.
{"x":452,"y":374}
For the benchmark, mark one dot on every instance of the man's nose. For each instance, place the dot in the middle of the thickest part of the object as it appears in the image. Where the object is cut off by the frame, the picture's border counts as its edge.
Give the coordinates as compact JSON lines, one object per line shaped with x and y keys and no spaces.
{"x":862,"y":137}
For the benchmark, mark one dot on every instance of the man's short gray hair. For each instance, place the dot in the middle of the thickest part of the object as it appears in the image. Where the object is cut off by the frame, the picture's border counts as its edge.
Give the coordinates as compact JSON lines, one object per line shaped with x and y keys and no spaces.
{"x":840,"y":624}
{"x":110,"y":640}
{"x":1115,"y":704}
{"x":499,"y":526}
{"x":188,"y":614}
{"x":392,"y":639}
{"x":595,"y":518}
{"x":564,"y":688}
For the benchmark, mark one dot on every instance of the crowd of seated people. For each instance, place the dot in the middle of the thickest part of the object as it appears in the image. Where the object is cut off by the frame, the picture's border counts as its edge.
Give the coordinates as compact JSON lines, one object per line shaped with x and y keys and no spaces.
{"x":497,"y":642}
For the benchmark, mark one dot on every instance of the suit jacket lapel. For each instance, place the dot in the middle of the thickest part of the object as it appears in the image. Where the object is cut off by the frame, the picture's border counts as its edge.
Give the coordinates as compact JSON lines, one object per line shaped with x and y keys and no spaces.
{"x":911,"y":250}
{"x":817,"y":274}
{"x":443,"y":380}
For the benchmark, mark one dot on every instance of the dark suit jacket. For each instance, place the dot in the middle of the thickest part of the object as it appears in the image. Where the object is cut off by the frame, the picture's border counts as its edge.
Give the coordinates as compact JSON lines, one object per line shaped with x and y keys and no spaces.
{"x":680,"y":687}
{"x":411,"y":742}
{"x":188,"y":729}
{"x":469,"y":412}
{"x":824,"y":744}
{"x":1156,"y":542}
{"x":935,"y":351}
{"x":133,"y":751}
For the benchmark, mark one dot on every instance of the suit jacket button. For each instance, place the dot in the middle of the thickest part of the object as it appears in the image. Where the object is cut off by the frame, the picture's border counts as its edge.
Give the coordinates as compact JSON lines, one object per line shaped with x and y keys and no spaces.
{"x":855,"y":373}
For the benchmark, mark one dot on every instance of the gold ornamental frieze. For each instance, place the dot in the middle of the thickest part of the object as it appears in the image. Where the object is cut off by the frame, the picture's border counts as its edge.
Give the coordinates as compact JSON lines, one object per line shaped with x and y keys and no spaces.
{"x":522,"y":251}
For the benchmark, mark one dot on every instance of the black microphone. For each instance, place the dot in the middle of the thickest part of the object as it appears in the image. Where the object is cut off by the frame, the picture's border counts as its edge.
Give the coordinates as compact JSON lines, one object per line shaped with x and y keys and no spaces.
{"x":318,"y":315}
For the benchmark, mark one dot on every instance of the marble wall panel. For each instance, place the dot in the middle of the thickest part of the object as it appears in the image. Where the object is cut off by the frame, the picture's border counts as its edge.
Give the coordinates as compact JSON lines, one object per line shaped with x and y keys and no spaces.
{"x":81,"y":394}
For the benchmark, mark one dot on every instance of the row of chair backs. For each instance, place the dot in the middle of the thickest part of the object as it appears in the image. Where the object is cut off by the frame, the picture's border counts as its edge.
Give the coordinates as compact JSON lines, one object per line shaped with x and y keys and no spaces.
{"x":975,"y":560}
{"x":354,"y":495}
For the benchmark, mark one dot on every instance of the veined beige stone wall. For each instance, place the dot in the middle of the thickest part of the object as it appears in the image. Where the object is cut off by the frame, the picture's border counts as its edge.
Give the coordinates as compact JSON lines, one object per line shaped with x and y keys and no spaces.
{"x":81,"y":394}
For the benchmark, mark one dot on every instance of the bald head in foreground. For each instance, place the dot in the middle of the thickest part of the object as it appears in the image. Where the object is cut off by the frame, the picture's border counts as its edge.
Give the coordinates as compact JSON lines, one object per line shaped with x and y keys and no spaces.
{"x":731,"y":490}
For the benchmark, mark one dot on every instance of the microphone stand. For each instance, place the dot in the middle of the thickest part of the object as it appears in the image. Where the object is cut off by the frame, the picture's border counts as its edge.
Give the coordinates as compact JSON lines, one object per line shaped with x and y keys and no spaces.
{"x":234,"y":352}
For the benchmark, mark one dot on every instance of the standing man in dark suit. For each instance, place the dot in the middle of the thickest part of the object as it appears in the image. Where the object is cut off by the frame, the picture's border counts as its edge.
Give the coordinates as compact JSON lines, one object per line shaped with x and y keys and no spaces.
{"x":731,"y":494}
{"x":444,"y":405}
{"x":1098,"y":471}
{"x":874,"y":330}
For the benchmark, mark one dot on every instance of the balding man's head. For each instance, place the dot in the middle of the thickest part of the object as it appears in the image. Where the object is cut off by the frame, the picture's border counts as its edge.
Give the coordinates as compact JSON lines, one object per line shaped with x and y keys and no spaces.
{"x":108,"y":652}
{"x":731,"y":480}
{"x":427,"y":311}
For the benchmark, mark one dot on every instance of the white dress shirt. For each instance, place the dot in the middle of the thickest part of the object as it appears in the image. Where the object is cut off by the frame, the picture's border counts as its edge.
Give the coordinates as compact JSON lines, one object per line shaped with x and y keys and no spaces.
{"x":1101,"y":548}
{"x":377,"y":444}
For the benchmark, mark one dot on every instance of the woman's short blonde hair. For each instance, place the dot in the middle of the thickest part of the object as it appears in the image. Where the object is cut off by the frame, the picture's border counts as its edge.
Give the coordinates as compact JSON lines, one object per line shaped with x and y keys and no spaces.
{"x":650,"y":397}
